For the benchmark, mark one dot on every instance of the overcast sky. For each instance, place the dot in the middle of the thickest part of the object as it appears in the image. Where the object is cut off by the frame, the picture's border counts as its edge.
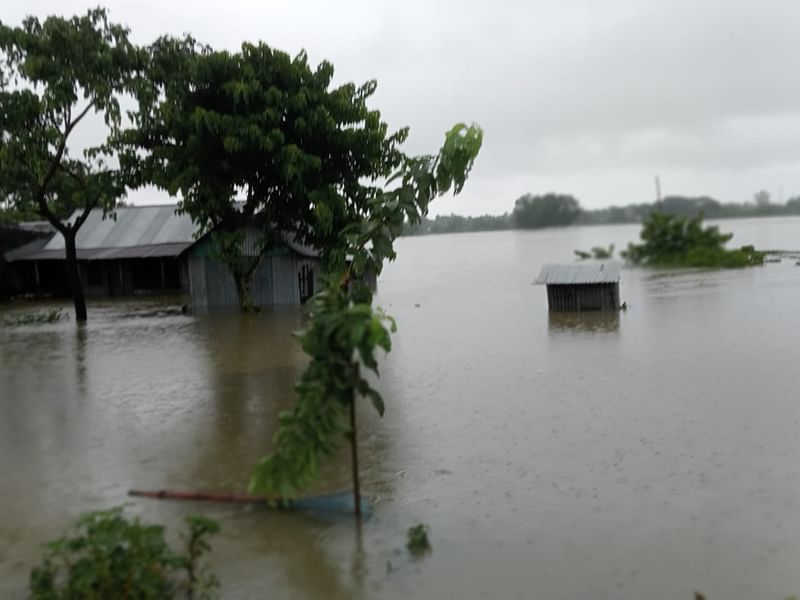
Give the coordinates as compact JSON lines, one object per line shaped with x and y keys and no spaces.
{"x":589,"y":97}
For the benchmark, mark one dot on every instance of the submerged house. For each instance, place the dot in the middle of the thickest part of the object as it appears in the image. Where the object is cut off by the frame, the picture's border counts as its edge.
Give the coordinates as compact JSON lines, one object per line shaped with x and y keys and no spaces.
{"x":11,"y":237}
{"x":284,"y":276}
{"x":584,"y":287}
{"x":152,"y":250}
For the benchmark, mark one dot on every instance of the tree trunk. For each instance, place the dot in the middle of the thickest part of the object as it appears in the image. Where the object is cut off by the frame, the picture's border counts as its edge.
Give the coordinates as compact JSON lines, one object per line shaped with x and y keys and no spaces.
{"x":243,"y":290}
{"x":78,"y":298}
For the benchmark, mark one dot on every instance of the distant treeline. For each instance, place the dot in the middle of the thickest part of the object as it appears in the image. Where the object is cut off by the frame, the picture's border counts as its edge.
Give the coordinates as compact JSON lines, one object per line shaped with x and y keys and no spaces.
{"x":559,"y":210}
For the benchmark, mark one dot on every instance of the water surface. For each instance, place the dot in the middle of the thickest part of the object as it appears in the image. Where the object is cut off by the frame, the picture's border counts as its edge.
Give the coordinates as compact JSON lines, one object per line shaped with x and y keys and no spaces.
{"x":639,"y":455}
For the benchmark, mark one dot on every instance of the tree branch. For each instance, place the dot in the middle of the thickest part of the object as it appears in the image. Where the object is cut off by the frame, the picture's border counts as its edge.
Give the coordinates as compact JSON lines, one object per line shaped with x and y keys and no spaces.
{"x":77,"y":120}
{"x":41,"y":193}
{"x":80,"y":180}
{"x":84,"y":215}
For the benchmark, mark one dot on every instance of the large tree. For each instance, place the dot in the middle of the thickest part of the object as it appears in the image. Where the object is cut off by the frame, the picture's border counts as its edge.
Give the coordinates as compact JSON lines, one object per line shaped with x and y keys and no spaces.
{"x":257,"y":140}
{"x":548,"y":210}
{"x":55,"y":76}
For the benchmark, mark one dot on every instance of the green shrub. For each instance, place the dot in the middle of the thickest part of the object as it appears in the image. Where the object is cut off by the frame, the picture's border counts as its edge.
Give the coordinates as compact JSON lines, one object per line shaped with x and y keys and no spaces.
{"x":417,"y":540}
{"x":50,"y":316}
{"x":107,"y":556}
{"x":673,"y":241}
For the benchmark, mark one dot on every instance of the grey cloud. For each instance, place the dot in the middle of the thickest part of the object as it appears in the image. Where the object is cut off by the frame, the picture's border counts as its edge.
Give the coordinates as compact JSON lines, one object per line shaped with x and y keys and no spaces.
{"x":579,"y":95}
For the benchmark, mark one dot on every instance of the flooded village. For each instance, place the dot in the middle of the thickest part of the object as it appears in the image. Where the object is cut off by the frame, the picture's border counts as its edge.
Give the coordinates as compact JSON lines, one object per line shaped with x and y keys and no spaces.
{"x":570,"y":456}
{"x":256,"y":341}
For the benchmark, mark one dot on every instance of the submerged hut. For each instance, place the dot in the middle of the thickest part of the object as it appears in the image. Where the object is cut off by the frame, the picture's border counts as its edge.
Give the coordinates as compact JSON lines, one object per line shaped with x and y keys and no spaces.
{"x":585,"y":287}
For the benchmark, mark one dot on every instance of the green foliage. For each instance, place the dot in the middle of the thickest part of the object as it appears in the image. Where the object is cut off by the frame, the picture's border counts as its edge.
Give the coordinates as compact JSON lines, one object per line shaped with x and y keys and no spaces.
{"x":345,"y":330}
{"x":53,"y":74}
{"x":683,"y":206}
{"x":12,"y":214}
{"x":458,"y":224}
{"x":603,"y":253}
{"x":257,"y":139}
{"x":683,"y":242}
{"x":582,"y":255}
{"x":417,"y":540}
{"x":108,"y":556}
{"x":548,"y":210}
{"x":598,"y":253}
{"x":50,"y":316}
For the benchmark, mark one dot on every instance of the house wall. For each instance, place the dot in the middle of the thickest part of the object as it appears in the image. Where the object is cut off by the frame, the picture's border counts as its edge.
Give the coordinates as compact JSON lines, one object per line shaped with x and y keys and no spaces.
{"x":13,"y":278}
{"x":275,"y":282}
{"x":133,"y":276}
{"x":587,"y":297}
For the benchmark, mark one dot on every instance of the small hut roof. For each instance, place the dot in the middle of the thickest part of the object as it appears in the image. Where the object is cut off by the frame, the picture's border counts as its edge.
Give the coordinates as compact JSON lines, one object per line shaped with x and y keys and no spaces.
{"x":604,"y":272}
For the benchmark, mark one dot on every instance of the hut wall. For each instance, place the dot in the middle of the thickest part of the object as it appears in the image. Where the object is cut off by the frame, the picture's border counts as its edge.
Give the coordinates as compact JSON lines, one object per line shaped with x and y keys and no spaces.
{"x":285,"y":273}
{"x":583,"y":297}
{"x":275,"y":282}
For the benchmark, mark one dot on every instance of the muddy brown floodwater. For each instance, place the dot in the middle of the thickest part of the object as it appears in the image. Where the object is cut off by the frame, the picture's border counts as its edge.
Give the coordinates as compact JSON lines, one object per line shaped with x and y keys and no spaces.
{"x":642,"y":455}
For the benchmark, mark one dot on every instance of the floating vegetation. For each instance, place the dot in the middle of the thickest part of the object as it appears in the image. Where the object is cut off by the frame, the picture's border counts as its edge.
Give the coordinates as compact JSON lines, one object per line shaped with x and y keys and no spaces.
{"x":601,"y":253}
{"x":50,"y":316}
{"x":598,"y":252}
{"x":418,"y":543}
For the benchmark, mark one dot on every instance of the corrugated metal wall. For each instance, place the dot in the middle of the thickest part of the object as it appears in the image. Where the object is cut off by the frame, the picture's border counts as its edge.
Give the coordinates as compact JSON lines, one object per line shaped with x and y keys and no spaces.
{"x":275,"y":282}
{"x":584,"y":297}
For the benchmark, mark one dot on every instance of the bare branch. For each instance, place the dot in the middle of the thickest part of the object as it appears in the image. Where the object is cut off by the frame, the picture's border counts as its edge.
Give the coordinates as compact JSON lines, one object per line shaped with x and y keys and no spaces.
{"x":40,"y":196}
{"x":77,"y":120}
{"x":84,"y":215}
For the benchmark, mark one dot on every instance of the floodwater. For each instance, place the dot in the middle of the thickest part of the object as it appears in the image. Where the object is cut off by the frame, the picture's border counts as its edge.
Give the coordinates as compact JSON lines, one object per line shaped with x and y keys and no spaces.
{"x":641,"y":455}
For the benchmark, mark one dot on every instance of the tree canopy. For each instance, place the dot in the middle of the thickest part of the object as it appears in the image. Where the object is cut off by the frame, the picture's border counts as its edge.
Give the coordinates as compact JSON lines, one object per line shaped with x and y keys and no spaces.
{"x":548,"y":210}
{"x":53,"y":75}
{"x":257,"y":139}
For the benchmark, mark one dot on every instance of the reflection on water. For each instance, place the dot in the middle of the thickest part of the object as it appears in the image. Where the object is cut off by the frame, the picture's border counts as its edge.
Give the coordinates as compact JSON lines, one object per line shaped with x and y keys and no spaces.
{"x":552,"y":456}
{"x":598,"y":321}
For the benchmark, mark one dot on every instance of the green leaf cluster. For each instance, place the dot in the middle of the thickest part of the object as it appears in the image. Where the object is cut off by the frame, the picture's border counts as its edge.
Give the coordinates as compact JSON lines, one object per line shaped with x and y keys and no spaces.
{"x":257,"y":139}
{"x":345,"y":331}
{"x":673,"y":241}
{"x":106,"y":555}
{"x":417,"y":540}
{"x":53,"y":74}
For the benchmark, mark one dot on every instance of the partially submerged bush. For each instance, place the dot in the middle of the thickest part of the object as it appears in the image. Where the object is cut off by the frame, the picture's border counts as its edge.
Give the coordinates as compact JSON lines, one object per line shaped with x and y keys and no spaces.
{"x":50,"y":316}
{"x":108,"y":556}
{"x":673,"y":241}
{"x":598,"y":252}
{"x":417,"y":540}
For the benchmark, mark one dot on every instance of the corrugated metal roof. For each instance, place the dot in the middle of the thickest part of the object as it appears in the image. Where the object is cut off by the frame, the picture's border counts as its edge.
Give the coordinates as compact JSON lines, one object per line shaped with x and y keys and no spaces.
{"x":608,"y":272}
{"x":33,"y":247}
{"x":137,"y":232}
{"x":134,"y":226}
{"x":31,"y":252}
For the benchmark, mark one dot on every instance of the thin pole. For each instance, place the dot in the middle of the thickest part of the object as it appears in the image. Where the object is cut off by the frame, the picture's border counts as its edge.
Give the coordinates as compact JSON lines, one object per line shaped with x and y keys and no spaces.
{"x":658,"y":191}
{"x":354,"y":447}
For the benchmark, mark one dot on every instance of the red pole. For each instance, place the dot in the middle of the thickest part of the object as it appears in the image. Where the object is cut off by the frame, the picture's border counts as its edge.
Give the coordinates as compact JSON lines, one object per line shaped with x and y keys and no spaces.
{"x":201,"y":496}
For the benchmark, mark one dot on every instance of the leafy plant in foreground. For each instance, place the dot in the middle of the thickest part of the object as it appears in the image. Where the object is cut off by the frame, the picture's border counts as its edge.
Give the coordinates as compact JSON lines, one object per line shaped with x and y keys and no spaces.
{"x":108,"y":556}
{"x":345,"y":331}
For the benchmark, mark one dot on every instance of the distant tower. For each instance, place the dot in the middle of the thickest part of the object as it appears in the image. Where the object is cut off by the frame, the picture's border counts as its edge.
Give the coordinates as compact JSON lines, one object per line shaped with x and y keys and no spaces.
{"x":658,"y":192}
